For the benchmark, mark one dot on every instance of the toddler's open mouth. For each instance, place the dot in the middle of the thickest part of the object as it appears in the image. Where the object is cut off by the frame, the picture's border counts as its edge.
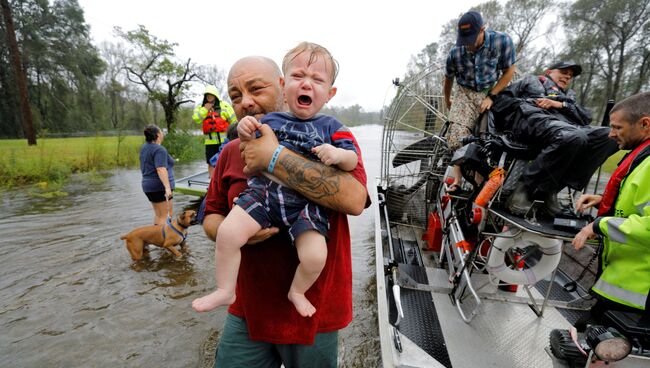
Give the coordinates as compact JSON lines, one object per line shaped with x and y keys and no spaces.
{"x":304,"y":100}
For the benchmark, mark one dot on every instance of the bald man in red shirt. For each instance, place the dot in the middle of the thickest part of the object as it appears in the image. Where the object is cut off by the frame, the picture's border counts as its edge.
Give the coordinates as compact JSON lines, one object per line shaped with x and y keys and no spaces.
{"x":263,"y":328}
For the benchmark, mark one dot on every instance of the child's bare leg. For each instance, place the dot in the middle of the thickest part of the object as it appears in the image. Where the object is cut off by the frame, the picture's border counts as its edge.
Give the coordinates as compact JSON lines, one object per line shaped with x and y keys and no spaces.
{"x":312,"y":252}
{"x":233,"y":233}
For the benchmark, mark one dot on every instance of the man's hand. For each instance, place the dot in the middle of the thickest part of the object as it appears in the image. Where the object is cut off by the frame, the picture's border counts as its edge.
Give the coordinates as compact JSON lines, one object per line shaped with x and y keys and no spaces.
{"x":328,"y":154}
{"x":587,"y":201}
{"x":262,"y":235}
{"x":585,"y":234}
{"x":247,"y":127}
{"x":209,"y":105}
{"x":448,"y":102}
{"x":486,"y":104}
{"x":546,"y":103}
{"x":257,"y":153}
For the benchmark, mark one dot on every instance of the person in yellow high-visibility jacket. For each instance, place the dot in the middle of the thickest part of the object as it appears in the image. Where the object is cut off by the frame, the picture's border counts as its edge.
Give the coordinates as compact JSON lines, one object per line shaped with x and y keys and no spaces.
{"x":623,"y":218}
{"x":214,"y":115}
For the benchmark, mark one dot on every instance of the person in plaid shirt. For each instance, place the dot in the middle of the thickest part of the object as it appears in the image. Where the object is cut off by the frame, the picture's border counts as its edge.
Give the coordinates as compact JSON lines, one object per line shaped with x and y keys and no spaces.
{"x":483,"y":63}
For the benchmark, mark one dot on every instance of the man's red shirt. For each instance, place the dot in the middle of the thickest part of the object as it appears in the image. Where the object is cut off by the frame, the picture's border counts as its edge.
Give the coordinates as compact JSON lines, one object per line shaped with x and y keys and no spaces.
{"x":267,"y":268}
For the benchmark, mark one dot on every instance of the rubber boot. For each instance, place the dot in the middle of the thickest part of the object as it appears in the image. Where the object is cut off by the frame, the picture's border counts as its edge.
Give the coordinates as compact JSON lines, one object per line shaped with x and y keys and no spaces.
{"x":551,"y":205}
{"x":519,"y":201}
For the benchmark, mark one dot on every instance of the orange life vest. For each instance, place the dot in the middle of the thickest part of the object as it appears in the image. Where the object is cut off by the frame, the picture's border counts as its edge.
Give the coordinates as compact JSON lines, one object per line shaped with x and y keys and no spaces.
{"x":214,"y":122}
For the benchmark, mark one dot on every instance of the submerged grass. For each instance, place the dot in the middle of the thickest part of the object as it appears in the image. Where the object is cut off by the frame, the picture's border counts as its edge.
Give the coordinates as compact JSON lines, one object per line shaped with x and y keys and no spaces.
{"x":52,"y":160}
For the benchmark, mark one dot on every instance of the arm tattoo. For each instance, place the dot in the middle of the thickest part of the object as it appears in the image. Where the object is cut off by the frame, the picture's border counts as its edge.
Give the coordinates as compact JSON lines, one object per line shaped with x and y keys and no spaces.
{"x":313,"y":179}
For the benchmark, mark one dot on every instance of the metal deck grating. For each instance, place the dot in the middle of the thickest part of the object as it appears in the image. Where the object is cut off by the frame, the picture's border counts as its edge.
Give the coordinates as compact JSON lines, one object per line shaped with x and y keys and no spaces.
{"x":558,"y":293}
{"x":421,"y":325}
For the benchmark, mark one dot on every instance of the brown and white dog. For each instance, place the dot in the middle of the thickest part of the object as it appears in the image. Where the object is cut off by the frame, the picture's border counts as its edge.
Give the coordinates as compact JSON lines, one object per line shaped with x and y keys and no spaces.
{"x":168,"y":235}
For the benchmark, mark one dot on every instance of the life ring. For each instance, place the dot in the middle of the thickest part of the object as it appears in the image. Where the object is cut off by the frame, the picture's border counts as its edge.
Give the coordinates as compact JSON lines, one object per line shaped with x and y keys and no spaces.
{"x":551,"y":248}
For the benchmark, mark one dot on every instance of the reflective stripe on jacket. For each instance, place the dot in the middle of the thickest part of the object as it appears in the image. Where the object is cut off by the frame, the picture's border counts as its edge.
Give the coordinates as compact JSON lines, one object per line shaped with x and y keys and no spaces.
{"x":227,"y":113}
{"x":626,"y":256}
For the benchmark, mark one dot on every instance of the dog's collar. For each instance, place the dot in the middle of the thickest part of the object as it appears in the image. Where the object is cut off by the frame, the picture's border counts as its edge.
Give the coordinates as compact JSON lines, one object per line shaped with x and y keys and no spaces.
{"x":169,"y":222}
{"x":178,"y":223}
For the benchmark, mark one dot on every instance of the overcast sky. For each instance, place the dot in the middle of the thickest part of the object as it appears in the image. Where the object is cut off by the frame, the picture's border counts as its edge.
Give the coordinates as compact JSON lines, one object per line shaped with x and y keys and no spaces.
{"x":372,"y":40}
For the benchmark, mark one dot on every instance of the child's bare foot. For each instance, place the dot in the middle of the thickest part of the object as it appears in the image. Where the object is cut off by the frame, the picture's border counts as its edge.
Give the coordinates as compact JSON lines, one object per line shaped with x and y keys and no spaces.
{"x":215,"y":299}
{"x":303,"y":306}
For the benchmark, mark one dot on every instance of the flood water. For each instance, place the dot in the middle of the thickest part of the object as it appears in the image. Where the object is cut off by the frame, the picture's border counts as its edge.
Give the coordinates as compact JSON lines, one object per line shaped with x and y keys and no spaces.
{"x":70,"y":296}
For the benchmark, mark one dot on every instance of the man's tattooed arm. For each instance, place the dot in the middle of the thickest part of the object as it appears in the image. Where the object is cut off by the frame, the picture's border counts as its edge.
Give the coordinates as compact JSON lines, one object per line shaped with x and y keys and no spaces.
{"x":313,"y":179}
{"x":325,"y":185}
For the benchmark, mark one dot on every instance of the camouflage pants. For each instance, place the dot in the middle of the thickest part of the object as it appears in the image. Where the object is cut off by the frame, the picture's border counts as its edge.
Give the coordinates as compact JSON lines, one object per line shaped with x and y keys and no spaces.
{"x":465,"y":109}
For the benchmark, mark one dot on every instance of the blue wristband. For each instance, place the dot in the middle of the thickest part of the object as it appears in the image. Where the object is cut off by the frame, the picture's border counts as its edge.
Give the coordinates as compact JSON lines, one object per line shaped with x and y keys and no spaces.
{"x":274,"y":158}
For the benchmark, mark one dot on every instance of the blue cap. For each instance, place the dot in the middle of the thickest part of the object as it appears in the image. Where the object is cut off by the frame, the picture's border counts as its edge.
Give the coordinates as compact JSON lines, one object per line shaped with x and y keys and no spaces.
{"x":469,"y":26}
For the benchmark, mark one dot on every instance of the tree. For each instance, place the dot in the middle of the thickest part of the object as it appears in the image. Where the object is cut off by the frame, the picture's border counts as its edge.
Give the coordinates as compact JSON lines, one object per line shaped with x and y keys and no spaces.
{"x":608,"y":38}
{"x":26,"y":113}
{"x":60,"y":65}
{"x":352,"y":115}
{"x":641,"y":57}
{"x":521,"y":21}
{"x":114,"y":56}
{"x":152,"y":66}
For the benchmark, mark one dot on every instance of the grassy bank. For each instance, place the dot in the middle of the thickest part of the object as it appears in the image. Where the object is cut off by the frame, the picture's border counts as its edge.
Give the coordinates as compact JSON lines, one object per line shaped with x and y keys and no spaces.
{"x":610,"y":165}
{"x":54,"y":159}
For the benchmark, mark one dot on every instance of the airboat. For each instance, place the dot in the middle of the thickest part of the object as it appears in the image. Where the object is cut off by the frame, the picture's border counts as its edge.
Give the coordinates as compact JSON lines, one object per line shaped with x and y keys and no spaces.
{"x":195,"y":185}
{"x":460,"y":281}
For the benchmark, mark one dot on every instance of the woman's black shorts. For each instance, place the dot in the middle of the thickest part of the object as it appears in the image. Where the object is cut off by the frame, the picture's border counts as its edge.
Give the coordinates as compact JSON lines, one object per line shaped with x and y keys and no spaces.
{"x":156,"y":197}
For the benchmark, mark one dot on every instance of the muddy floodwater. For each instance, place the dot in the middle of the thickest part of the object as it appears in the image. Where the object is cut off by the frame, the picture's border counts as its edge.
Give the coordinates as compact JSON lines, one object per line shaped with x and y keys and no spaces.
{"x":71,"y":297}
